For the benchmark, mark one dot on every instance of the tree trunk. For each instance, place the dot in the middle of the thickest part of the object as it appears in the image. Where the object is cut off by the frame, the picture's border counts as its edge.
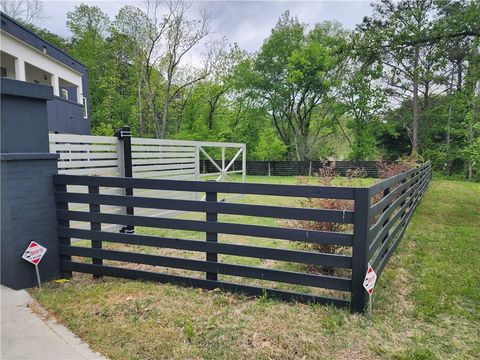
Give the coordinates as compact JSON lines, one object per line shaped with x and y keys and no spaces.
{"x":449,"y":124}
{"x":449,"y":140}
{"x":471,"y":130}
{"x":426,"y":97}
{"x":151,"y":99}
{"x":459,"y":74}
{"x":297,"y":148}
{"x":141,"y":128}
{"x":415,"y":102}
{"x":166,"y":104}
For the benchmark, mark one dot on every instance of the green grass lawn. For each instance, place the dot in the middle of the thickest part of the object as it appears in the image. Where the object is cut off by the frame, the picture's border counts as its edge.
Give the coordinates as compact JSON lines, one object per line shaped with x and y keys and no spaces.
{"x":426,"y":306}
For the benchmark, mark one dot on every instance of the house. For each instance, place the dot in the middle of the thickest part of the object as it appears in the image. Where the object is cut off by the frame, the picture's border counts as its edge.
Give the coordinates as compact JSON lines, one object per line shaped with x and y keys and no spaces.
{"x":27,"y":57}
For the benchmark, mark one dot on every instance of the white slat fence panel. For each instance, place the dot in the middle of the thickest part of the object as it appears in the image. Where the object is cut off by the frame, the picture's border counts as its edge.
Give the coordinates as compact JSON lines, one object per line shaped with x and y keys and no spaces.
{"x":151,"y":159}
{"x":92,"y":156}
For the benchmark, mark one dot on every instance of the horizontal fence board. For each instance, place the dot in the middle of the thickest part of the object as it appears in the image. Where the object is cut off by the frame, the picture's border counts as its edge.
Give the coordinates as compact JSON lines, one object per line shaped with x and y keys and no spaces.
{"x":377,"y":208}
{"x":160,"y":194}
{"x":377,"y":231}
{"x":382,"y":185}
{"x":87,"y":155}
{"x":201,"y":283}
{"x":153,"y":149}
{"x":392,"y":233}
{"x":400,"y":218}
{"x":154,"y":161}
{"x":288,"y":277}
{"x":110,"y":171}
{"x":219,"y":187}
{"x":211,"y":207}
{"x":392,"y":208}
{"x":164,"y":174}
{"x":317,"y":237}
{"x":86,"y":139}
{"x":379,"y":254}
{"x":87,"y":164}
{"x":381,"y":262}
{"x":140,"y":168}
{"x":80,"y":148}
{"x":304,"y":257}
{"x":376,"y":241}
{"x":162,"y":155}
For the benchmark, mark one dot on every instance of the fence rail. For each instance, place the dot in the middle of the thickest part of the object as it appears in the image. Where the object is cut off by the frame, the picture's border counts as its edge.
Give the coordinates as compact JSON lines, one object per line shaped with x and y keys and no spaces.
{"x":295,"y":168}
{"x":378,"y":222}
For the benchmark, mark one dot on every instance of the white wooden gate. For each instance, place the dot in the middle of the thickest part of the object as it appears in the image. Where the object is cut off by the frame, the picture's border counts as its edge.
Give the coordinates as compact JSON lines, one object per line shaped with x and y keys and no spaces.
{"x":151,"y":159}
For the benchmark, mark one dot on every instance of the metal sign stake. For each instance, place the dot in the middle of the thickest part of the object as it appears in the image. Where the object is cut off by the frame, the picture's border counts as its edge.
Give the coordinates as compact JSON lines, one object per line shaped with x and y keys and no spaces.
{"x":38,"y":277}
{"x":370,"y":300}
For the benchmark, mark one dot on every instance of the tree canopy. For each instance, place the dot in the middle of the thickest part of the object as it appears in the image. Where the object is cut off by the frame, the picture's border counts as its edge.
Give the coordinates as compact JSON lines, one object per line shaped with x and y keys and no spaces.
{"x":404,"y":82}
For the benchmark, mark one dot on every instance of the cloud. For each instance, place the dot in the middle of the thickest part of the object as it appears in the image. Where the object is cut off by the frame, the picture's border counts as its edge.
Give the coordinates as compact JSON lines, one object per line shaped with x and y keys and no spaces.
{"x":247,"y":23}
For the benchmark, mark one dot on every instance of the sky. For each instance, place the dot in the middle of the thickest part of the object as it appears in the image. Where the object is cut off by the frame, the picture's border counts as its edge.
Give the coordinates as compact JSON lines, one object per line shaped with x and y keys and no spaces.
{"x":247,"y":23}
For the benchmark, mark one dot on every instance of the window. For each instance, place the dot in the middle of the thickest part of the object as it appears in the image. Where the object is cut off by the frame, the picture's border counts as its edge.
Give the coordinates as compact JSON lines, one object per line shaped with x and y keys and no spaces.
{"x":4,"y":72}
{"x":64,"y":94}
{"x":85,"y":109}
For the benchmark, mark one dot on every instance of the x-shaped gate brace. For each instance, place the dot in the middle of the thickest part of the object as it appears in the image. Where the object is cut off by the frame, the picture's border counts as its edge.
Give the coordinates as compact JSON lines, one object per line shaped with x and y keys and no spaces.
{"x":224,"y":171}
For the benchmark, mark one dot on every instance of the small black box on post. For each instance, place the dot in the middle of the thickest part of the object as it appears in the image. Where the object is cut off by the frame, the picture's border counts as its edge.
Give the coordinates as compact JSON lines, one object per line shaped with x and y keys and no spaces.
{"x":28,"y":210}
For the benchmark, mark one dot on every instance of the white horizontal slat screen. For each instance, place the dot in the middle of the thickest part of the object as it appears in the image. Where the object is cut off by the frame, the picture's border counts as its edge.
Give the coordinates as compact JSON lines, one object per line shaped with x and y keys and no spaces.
{"x":151,"y":159}
{"x":92,"y":156}
{"x":164,"y":159}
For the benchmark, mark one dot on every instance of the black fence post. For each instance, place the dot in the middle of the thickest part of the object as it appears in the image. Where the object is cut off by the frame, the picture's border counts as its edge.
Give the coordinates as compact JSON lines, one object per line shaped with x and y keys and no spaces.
{"x":124,"y":135}
{"x":94,"y":208}
{"x":63,"y":240}
{"x":212,"y":237}
{"x":360,"y":251}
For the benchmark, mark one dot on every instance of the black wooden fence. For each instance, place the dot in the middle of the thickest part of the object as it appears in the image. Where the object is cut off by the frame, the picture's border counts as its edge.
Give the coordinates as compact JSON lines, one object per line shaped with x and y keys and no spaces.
{"x":294,"y":168}
{"x":377,"y":229}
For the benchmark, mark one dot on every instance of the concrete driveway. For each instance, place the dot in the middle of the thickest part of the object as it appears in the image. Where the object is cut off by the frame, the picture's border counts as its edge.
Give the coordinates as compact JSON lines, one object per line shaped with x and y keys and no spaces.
{"x":24,"y":335}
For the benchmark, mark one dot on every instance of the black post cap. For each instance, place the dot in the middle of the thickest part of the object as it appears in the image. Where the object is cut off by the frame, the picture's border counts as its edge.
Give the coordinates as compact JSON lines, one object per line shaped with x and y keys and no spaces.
{"x":123,"y":132}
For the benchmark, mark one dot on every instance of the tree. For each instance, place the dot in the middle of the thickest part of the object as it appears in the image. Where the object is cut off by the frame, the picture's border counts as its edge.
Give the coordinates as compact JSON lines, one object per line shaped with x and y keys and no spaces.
{"x":363,"y":98}
{"x":89,"y":26}
{"x":294,"y":74}
{"x":397,"y":31}
{"x":181,"y":36}
{"x":144,"y":31}
{"x":270,"y":148}
{"x":26,"y":11}
{"x":57,"y":40}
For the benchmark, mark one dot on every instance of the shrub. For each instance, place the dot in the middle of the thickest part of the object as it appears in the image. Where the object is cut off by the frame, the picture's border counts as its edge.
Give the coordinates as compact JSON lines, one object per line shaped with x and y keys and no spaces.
{"x":326,"y":176}
{"x":389,"y":169}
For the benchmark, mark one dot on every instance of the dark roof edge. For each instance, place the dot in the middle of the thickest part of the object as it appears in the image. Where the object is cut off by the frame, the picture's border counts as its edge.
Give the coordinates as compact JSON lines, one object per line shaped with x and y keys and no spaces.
{"x":40,"y":38}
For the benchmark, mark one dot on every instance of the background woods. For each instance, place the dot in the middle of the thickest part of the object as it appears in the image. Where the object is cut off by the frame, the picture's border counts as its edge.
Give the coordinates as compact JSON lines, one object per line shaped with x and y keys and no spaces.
{"x":404,"y":82}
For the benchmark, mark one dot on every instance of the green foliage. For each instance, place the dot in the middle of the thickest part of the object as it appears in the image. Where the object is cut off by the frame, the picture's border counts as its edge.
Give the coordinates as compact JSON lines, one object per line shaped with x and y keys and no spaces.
{"x":406,"y":79}
{"x":269,"y":146}
{"x":293,"y":77}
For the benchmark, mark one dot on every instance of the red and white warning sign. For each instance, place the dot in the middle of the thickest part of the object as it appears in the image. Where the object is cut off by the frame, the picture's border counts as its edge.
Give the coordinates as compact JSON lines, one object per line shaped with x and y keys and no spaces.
{"x":34,"y":253}
{"x":370,"y":279}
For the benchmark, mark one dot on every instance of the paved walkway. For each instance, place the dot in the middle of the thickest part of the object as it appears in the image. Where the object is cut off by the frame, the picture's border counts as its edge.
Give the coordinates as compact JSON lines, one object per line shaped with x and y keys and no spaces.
{"x":25,"y":336}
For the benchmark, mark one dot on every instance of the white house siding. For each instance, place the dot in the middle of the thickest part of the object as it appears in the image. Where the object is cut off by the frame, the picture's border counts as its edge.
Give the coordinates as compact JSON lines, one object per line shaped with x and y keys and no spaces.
{"x":27,"y":54}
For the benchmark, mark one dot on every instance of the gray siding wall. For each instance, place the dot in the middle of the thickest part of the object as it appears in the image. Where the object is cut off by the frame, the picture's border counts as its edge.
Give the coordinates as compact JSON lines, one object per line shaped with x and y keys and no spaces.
{"x":66,"y":117}
{"x":27,"y":190}
{"x":28,"y":213}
